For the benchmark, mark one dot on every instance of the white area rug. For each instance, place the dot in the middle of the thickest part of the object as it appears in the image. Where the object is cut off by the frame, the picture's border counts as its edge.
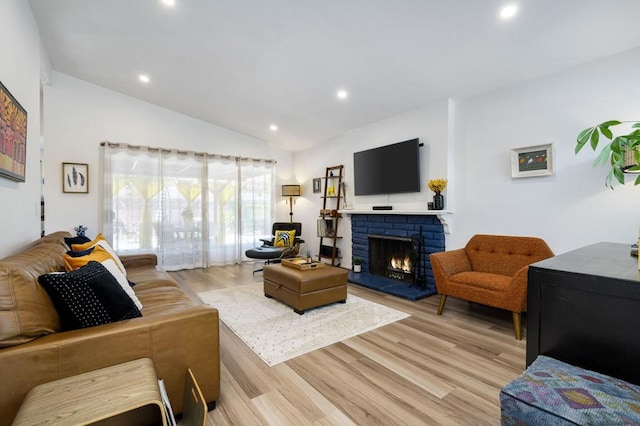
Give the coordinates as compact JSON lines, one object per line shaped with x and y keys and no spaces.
{"x":278,"y":334}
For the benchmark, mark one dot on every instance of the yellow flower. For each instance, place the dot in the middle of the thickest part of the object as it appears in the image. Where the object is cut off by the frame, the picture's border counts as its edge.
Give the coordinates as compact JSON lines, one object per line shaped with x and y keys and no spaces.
{"x":437,"y":185}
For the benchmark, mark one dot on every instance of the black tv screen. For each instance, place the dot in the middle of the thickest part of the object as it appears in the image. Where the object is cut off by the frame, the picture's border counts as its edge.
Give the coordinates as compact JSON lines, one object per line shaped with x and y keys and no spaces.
{"x":389,"y":169}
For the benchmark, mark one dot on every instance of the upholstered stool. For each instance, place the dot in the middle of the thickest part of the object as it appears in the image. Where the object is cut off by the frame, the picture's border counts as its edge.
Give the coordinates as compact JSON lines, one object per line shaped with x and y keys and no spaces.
{"x":554,"y":392}
{"x":304,"y":290}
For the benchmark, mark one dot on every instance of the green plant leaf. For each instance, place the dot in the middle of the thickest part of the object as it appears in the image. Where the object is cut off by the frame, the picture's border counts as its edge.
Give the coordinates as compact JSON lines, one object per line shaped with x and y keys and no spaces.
{"x":608,"y":179}
{"x":610,"y":123}
{"x":603,"y":156}
{"x":617,"y":144}
{"x":619,"y":174}
{"x":637,"y":182}
{"x":635,"y":125}
{"x":605,"y":132}
{"x":583,"y":137}
{"x":595,"y":136}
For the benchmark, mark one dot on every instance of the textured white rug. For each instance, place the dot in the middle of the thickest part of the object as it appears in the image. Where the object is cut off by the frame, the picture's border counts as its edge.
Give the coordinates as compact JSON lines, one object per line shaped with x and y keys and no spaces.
{"x":278,"y":334}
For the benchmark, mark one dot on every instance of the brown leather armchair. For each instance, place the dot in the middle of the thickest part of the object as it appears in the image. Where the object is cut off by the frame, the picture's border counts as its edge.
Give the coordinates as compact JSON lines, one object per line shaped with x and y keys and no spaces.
{"x":491,"y":270}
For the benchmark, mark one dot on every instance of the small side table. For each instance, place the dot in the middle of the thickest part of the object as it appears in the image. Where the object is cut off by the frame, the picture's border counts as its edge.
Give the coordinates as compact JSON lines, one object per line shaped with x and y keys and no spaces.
{"x":93,"y":396}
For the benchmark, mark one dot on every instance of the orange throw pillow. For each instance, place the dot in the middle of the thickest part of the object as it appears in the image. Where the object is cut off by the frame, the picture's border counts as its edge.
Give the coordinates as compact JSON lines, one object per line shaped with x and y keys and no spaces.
{"x":98,"y":254}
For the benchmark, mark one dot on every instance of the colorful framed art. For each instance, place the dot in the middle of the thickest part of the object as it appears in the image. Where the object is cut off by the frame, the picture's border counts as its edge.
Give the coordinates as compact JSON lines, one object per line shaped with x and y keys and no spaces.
{"x":13,"y":137}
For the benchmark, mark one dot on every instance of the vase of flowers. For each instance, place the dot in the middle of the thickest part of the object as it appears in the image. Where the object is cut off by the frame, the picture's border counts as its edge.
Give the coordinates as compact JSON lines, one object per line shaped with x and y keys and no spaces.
{"x":437,"y":186}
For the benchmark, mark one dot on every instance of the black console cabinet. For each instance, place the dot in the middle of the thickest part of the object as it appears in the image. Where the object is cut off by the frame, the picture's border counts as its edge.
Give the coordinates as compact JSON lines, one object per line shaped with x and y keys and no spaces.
{"x":583,"y":308}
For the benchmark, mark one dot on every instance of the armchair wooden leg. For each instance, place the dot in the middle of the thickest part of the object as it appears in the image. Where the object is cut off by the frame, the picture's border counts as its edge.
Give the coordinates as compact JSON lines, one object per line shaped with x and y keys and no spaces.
{"x":517,"y":324}
{"x":443,"y":299}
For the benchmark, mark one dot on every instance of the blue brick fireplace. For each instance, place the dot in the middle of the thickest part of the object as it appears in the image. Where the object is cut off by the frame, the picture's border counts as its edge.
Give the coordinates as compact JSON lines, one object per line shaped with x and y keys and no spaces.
{"x":427,"y":226}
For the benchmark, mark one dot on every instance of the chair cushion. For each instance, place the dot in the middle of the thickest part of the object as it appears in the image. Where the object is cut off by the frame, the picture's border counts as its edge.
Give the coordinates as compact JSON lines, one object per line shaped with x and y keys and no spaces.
{"x":484,"y":280}
{"x":284,"y":238}
{"x":503,"y":254}
{"x":264,"y":252}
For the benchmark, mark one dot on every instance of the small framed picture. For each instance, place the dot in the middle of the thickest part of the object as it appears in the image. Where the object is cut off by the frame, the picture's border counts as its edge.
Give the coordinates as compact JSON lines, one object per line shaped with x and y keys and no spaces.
{"x":75,"y":178}
{"x":532,"y":161}
{"x":316,"y":185}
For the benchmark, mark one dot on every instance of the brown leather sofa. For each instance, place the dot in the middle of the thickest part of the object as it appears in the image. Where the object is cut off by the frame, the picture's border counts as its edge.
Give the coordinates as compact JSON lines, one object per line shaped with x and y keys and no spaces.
{"x":491,"y":270}
{"x":174,"y":331}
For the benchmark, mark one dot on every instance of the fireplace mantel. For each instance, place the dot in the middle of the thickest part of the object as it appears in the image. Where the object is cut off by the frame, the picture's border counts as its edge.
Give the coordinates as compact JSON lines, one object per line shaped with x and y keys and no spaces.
{"x":442,"y":214}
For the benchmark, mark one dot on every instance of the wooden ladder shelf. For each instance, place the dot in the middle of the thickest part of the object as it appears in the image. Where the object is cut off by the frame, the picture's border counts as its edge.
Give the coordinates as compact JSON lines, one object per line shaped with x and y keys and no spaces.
{"x":329,"y":216}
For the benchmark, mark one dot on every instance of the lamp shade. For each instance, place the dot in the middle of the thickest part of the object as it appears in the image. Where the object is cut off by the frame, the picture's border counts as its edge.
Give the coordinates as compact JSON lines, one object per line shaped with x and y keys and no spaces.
{"x":290,"y":190}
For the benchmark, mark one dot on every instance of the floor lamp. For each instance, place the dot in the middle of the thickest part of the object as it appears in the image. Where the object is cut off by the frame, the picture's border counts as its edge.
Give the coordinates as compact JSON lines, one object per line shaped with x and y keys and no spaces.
{"x":291,"y":191}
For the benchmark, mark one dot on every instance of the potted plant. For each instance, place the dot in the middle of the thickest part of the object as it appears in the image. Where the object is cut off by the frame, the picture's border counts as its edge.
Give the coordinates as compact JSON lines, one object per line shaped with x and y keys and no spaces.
{"x":357,"y":264}
{"x":622,"y":152}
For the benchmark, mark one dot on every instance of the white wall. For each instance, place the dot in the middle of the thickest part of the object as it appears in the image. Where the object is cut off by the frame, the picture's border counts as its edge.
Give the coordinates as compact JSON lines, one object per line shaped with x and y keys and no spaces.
{"x":79,"y":115}
{"x":469,"y":142}
{"x":19,"y":72}
{"x":573,"y":207}
{"x":429,"y":123}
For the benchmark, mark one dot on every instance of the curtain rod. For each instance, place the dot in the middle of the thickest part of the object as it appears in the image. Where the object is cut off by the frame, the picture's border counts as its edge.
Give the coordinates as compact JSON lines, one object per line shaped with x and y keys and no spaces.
{"x":183,"y":152}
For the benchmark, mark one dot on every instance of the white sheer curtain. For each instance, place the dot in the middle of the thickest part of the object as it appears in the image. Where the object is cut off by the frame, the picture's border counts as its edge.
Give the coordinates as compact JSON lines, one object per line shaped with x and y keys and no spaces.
{"x":257,"y":194}
{"x":191,"y":209}
{"x":223,"y":210}
{"x":183,"y":208}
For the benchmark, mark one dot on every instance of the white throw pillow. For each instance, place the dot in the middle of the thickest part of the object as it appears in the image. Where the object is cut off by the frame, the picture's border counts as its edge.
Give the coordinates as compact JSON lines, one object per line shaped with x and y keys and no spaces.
{"x":105,"y":245}
{"x":113,"y":268}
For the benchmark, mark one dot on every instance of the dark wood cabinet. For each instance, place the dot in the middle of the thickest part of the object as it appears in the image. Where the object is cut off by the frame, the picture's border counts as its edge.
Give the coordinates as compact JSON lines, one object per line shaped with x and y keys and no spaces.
{"x":583,"y":307}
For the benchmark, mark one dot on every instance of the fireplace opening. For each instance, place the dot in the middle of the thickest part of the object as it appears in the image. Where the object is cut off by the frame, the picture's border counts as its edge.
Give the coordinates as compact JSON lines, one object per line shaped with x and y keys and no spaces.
{"x":393,"y":257}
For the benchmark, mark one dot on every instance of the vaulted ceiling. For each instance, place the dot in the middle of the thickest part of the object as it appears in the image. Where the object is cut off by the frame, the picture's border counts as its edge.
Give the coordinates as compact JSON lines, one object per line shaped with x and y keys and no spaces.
{"x":249,"y":64}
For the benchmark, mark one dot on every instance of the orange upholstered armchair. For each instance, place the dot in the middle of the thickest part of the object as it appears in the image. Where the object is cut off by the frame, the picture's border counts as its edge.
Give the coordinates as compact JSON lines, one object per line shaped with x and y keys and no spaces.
{"x":491,"y":270}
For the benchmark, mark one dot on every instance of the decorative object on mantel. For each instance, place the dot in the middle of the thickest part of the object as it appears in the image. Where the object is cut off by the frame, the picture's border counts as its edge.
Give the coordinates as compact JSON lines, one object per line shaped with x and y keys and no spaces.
{"x":75,"y":178}
{"x":344,"y":195}
{"x":437,"y":186}
{"x":13,"y":149}
{"x":357,"y":264}
{"x":532,"y":161}
{"x":622,"y":153}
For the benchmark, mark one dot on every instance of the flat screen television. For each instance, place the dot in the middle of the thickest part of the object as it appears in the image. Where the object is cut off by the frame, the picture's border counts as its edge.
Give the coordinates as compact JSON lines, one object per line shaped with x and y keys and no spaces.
{"x":388,"y":169}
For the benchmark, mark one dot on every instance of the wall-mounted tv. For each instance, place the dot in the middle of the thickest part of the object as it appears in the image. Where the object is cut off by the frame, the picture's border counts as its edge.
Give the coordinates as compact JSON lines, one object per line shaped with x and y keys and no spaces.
{"x":388,"y":169}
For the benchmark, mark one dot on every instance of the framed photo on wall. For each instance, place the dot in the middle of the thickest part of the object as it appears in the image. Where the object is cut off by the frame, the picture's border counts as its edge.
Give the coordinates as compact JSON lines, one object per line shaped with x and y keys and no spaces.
{"x":75,"y":178}
{"x":13,"y":137}
{"x":532,"y":161}
{"x":316,"y":185}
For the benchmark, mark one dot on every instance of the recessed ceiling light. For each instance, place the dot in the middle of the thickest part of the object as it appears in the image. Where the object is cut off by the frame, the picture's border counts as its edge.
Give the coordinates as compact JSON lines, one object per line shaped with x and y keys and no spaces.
{"x":508,"y":11}
{"x":169,"y":3}
{"x":342,"y":94}
{"x":273,"y":127}
{"x":143,"y":78}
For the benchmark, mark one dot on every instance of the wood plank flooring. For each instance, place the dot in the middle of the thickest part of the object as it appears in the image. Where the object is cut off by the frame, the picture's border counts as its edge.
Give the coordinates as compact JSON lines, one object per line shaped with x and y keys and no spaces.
{"x":425,"y":369}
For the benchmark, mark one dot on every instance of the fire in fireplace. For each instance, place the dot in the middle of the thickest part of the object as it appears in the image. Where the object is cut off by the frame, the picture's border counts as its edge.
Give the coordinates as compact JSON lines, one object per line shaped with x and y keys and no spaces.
{"x":392,"y":257}
{"x":399,"y":267}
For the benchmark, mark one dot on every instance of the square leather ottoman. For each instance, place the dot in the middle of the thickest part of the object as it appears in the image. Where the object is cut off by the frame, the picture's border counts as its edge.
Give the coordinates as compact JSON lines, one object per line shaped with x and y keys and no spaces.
{"x":304,"y":290}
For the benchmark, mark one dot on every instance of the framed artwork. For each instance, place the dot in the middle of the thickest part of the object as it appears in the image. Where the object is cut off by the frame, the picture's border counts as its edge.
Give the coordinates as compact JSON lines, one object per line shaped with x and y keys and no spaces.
{"x":316,"y":185}
{"x":532,"y":161}
{"x":13,"y":137}
{"x":75,"y":178}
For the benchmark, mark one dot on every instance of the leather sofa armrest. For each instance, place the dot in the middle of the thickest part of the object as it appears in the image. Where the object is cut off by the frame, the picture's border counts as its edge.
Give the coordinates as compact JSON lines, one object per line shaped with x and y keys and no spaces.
{"x":188,"y":338}
{"x":137,"y":260}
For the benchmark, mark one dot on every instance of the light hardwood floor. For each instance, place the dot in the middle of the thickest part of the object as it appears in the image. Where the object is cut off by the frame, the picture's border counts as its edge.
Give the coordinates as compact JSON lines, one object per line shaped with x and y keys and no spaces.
{"x":425,"y":369}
